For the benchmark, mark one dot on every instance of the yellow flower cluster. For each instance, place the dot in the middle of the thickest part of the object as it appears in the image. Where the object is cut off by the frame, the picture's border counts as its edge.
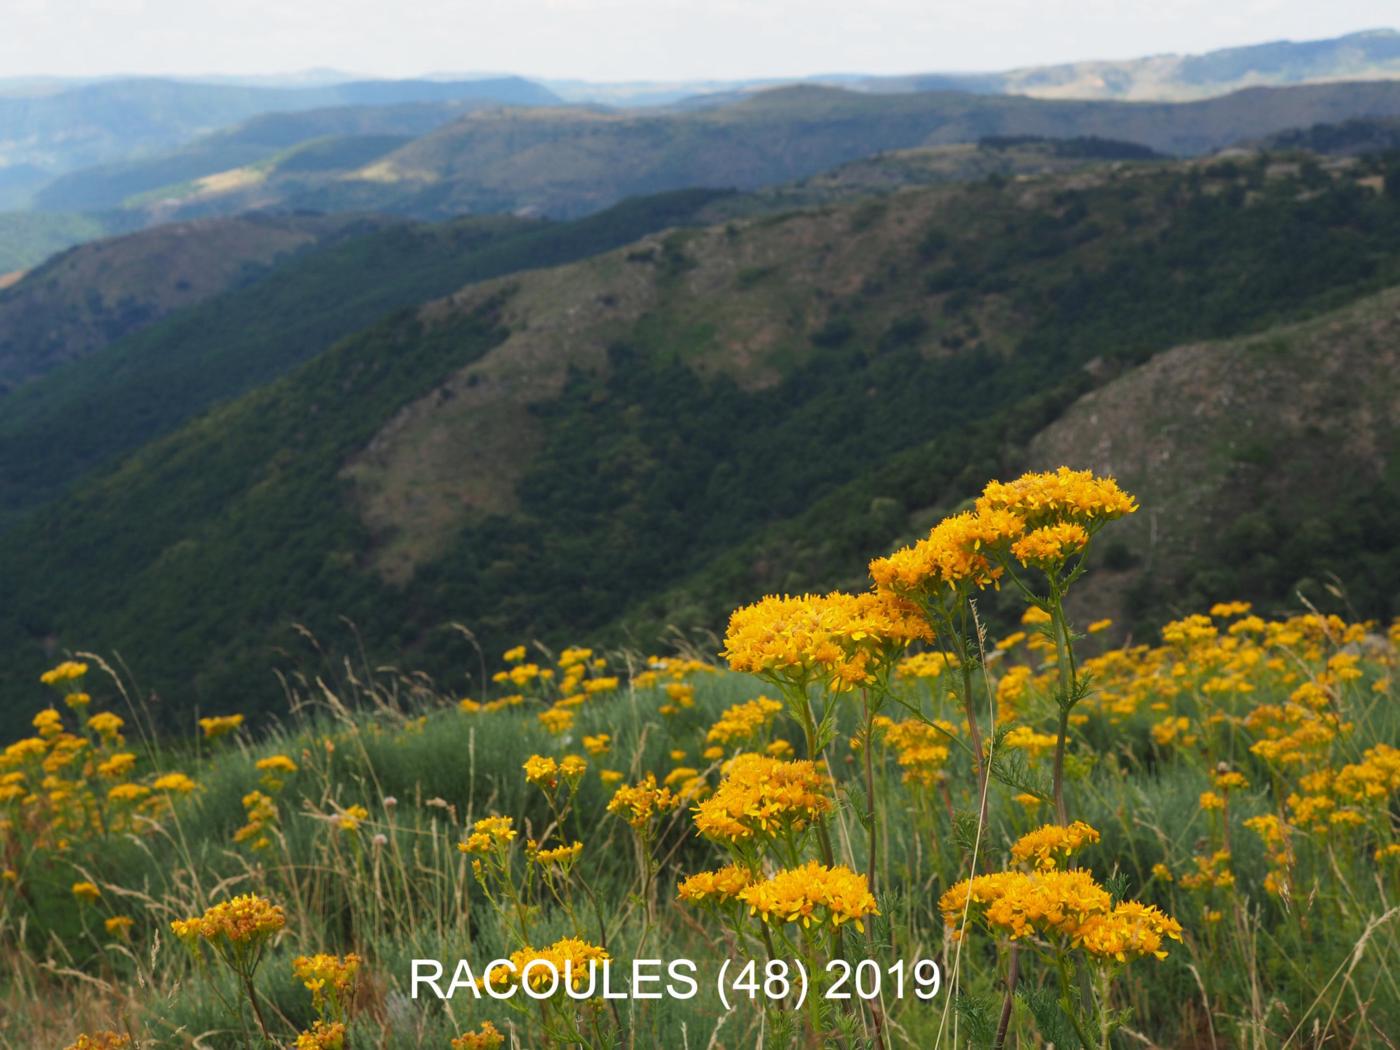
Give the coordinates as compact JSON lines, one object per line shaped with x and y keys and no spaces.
{"x":812,"y":893}
{"x":68,"y":671}
{"x":743,"y":722}
{"x":487,"y":1037}
{"x":1131,"y":931}
{"x":246,"y":919}
{"x":219,"y":725}
{"x":323,"y":1035}
{"x":763,"y":796}
{"x":639,"y":803}
{"x":101,"y":1041}
{"x":564,"y":855}
{"x":1062,"y":495}
{"x":1050,"y":544}
{"x":921,"y":750}
{"x":1069,"y":906}
{"x":1049,"y":846}
{"x":488,"y":834}
{"x":837,"y":639}
{"x":571,"y":952}
{"x":60,"y":787}
{"x":261,"y":813}
{"x":1040,"y":519}
{"x":329,"y":978}
{"x":715,"y":887}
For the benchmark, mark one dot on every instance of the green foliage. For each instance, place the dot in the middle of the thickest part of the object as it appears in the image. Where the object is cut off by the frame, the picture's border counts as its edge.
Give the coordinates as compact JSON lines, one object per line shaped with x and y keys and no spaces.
{"x":146,"y":385}
{"x":28,"y":238}
{"x":658,"y":495}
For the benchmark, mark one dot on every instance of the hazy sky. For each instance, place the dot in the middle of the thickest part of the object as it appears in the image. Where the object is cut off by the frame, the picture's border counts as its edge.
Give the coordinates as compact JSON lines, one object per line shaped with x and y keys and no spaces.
{"x":638,"y":39}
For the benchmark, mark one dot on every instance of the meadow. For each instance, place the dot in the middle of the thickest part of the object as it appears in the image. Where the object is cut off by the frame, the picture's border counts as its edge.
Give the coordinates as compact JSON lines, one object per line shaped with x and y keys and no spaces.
{"x":921,"y":829}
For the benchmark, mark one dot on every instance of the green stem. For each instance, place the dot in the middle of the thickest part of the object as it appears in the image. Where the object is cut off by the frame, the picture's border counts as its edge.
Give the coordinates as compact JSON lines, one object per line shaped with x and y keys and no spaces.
{"x":1064,"y":660}
{"x":1067,"y":1003}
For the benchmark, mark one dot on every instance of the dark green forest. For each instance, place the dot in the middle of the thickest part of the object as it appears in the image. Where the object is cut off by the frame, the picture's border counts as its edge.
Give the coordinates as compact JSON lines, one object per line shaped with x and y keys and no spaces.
{"x":662,"y":496}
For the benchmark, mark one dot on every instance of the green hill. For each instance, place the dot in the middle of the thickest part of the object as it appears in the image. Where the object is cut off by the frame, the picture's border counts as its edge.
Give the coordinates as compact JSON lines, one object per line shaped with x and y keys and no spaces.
{"x":653,"y":433}
{"x":145,"y":384}
{"x":28,"y":238}
{"x":567,"y":162}
{"x":269,"y":135}
{"x":109,"y":120}
{"x":94,"y":294}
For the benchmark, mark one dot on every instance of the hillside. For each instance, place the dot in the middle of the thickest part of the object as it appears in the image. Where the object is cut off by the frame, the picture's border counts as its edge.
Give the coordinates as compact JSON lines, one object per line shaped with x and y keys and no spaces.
{"x":108,"y":120}
{"x":1269,"y":464}
{"x":95,"y":294}
{"x":275,"y":137}
{"x":649,"y":435}
{"x":28,"y":238}
{"x":567,"y":162}
{"x":143,"y":385}
{"x":1367,"y":55}
{"x":1370,"y":55}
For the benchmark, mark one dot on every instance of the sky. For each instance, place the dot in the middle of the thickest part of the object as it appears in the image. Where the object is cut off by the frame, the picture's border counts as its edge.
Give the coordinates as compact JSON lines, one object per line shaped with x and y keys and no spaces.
{"x":612,"y":40}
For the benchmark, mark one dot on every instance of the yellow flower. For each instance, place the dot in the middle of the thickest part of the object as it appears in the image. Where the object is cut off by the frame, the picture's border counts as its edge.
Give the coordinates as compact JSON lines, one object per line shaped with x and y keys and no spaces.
{"x":1099,"y":625}
{"x":101,"y":1041}
{"x":329,"y":979}
{"x":242,"y":920}
{"x":597,"y":745}
{"x":323,"y":1035}
{"x":837,"y":639}
{"x":562,"y":855}
{"x":1130,"y":931}
{"x":128,"y":793}
{"x":118,"y":765}
{"x":542,"y":771}
{"x":174,"y":782}
{"x":86,"y":892}
{"x":119,"y":926}
{"x":77,"y":701}
{"x":570,"y":952}
{"x":610,"y":776}
{"x":351,"y":818}
{"x":953,"y":556}
{"x":105,"y":724}
{"x":639,"y":803}
{"x":1050,"y":545}
{"x":487,"y":1037}
{"x":572,"y":767}
{"x":515,"y":655}
{"x":1050,"y":845}
{"x":556,"y":720}
{"x":275,"y":764}
{"x":219,"y":725}
{"x":715,"y":887}
{"x":1063,"y":495}
{"x":64,"y":672}
{"x":1021,"y":903}
{"x":812,"y":893}
{"x":743,"y":721}
{"x":488,"y":834}
{"x":762,"y":796}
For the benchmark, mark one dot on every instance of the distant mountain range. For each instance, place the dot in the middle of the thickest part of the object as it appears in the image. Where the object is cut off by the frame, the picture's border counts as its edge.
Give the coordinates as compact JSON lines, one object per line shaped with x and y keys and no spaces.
{"x":635,"y":419}
{"x":566,"y":162}
{"x":104,"y":121}
{"x":1370,"y":55}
